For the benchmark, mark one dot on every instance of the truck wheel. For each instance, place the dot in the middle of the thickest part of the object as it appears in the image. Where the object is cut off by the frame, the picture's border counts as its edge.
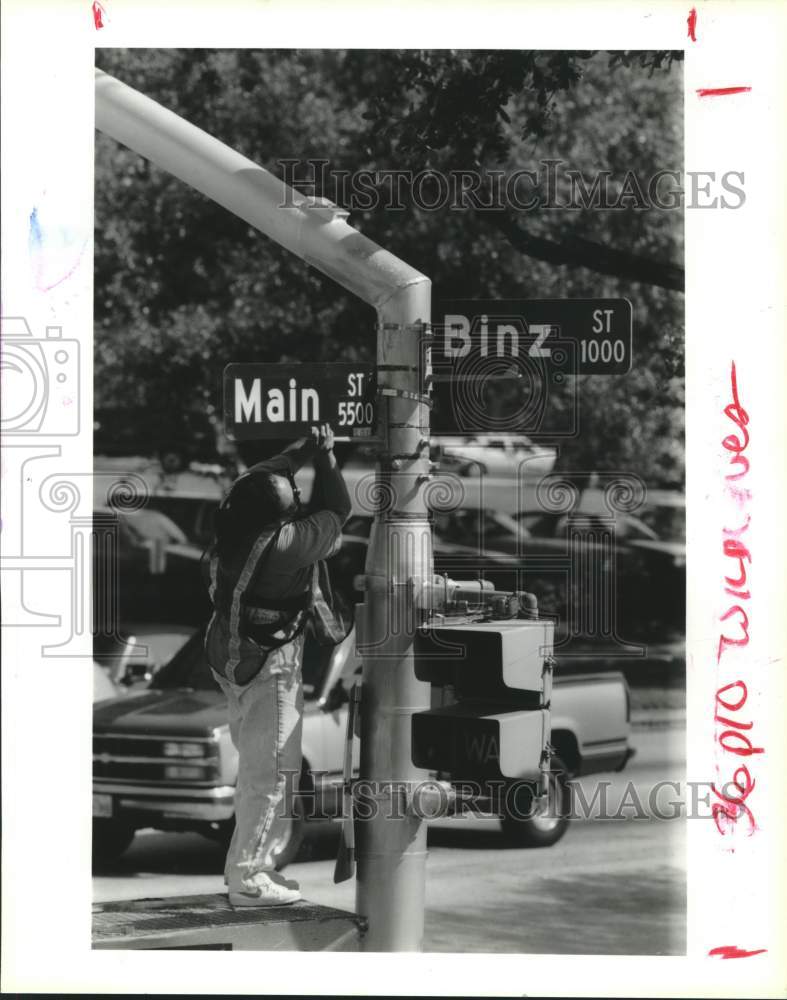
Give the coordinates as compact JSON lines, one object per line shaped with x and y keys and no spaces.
{"x":546,"y":825}
{"x":289,"y":849}
{"x":111,"y":839}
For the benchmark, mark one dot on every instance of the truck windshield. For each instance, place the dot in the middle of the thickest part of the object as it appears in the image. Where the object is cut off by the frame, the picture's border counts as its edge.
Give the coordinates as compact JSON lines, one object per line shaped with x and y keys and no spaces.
{"x":189,"y":668}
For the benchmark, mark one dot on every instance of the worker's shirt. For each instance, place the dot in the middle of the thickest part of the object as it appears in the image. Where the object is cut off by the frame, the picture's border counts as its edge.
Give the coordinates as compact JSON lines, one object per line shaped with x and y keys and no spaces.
{"x":288,"y":566}
{"x":268,"y":569}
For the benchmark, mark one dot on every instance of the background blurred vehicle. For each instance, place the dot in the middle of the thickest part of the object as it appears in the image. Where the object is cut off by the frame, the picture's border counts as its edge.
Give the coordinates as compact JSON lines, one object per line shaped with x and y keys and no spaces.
{"x":163,"y":757}
{"x":187,"y":498}
{"x":645,"y":579}
{"x":665,"y":512}
{"x":482,"y":529}
{"x":645,"y":574}
{"x":506,"y":456}
{"x":104,"y":687}
{"x":145,"y":569}
{"x":147,"y":539}
{"x":660,"y":517}
{"x":140,"y":650}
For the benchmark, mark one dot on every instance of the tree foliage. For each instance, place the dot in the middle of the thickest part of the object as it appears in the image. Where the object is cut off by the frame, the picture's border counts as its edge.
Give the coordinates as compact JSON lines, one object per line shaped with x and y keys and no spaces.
{"x":183,"y":287}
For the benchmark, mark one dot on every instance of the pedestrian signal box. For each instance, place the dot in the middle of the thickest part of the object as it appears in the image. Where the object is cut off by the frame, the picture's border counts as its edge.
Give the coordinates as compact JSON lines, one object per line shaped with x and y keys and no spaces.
{"x":500,"y":676}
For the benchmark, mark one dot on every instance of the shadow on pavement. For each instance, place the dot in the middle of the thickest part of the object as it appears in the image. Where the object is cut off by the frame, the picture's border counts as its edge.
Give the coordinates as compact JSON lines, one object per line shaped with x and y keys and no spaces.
{"x":488,"y":837}
{"x":159,"y":853}
{"x":192,"y":854}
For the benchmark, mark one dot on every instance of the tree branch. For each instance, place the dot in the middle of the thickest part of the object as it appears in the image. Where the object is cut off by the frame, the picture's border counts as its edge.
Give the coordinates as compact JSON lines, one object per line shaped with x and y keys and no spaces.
{"x":579,"y":252}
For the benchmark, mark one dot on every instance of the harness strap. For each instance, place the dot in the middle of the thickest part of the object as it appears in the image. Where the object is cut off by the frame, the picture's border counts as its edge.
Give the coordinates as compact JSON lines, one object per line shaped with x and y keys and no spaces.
{"x":298,"y":602}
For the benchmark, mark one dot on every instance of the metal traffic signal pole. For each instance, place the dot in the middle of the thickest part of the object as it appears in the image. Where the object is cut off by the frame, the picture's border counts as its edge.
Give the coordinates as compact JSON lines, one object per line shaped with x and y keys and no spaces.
{"x":392,"y":852}
{"x":392,"y":844}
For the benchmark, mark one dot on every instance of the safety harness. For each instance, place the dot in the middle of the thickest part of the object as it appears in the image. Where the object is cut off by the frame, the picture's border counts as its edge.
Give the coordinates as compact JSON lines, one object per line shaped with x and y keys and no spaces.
{"x":246,"y":616}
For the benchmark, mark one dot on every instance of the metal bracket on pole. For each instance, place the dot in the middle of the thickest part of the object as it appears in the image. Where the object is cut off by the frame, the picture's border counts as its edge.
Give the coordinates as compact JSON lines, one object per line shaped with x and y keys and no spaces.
{"x":324,"y":208}
{"x":425,"y":800}
{"x":545,"y":767}
{"x":430,"y":799}
{"x":420,"y":327}
{"x":405,"y":394}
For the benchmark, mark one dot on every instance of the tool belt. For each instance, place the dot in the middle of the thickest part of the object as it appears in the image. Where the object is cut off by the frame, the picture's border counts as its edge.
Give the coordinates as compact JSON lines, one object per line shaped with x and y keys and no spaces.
{"x":285,"y":626}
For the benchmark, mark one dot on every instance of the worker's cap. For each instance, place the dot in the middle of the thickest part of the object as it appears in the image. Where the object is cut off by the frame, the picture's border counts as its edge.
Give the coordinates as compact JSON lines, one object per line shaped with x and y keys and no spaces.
{"x":261,"y":496}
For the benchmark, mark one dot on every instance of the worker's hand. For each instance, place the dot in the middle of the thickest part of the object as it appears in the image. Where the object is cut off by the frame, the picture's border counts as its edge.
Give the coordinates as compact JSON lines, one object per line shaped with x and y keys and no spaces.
{"x":322,"y":437}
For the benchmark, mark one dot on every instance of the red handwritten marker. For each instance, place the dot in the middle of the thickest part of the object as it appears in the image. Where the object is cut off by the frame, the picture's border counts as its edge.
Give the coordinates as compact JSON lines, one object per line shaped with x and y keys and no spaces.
{"x":732,"y":735}
{"x":721,"y":91}
{"x":98,"y":15}
{"x":691,"y":20}
{"x":731,"y":951}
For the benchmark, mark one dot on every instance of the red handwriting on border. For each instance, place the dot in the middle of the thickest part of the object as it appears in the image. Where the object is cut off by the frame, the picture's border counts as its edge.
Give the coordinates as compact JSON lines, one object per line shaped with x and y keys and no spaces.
{"x":691,"y":20}
{"x":721,"y":91}
{"x":732,"y":734}
{"x":733,"y":951}
{"x":98,"y":15}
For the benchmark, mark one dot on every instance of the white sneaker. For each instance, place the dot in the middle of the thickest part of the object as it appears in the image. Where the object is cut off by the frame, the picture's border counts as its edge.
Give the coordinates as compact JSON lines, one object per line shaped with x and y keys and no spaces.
{"x":261,"y":890}
{"x":288,"y":883}
{"x":279,"y":879}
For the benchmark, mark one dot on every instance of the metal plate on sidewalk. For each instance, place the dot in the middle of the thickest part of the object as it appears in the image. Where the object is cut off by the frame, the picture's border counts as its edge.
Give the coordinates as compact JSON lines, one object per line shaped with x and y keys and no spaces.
{"x":209,"y":922}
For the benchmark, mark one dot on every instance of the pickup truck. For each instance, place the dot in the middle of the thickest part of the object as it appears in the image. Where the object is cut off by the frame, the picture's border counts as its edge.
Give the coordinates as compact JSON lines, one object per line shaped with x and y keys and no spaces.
{"x":163,"y":757}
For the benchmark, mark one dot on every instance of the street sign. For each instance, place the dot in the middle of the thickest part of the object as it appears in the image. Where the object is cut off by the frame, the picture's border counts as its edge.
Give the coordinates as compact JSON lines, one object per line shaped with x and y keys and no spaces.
{"x":467,"y":331}
{"x":281,"y":401}
{"x":505,"y":366}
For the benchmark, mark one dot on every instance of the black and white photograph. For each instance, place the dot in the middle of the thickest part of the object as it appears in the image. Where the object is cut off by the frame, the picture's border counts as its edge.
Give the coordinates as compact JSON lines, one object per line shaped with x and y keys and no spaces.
{"x":405,"y":510}
{"x":492,"y":481}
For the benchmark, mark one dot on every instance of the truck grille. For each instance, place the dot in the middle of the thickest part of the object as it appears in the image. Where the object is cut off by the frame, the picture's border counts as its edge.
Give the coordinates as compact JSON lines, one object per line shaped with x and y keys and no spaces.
{"x":143,"y":759}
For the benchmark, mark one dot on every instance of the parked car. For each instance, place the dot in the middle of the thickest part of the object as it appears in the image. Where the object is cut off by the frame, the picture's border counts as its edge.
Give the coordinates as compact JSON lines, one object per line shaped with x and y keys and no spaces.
{"x":139,"y":650}
{"x":104,"y":688}
{"x":145,"y":568}
{"x":163,"y":757}
{"x":491,"y":455}
{"x":645,"y":580}
{"x":187,"y":500}
{"x":664,"y":511}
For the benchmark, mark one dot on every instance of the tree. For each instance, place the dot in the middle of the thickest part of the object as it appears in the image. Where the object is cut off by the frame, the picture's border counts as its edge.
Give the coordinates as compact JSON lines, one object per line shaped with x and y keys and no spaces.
{"x":182,"y":287}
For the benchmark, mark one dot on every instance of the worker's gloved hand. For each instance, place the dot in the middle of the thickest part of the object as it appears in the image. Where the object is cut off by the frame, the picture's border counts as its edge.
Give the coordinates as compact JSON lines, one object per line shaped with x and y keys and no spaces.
{"x":322,"y":437}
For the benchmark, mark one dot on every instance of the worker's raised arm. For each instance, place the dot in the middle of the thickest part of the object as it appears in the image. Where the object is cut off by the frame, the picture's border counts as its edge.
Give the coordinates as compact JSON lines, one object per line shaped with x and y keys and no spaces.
{"x":291,"y":459}
{"x":330,"y":490}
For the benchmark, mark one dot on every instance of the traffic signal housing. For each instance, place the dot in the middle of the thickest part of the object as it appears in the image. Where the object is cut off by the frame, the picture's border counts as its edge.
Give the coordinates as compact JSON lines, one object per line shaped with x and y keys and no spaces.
{"x":495,"y":681}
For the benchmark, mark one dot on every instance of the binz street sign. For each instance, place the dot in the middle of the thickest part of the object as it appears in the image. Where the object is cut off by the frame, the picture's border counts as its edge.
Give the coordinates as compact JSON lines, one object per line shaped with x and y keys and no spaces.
{"x":507,"y":367}
{"x":284,"y":400}
{"x":467,"y":331}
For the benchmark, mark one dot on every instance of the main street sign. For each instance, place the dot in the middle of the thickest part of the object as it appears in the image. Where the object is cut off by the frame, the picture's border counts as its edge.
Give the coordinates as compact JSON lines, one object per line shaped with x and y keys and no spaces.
{"x":283,"y":401}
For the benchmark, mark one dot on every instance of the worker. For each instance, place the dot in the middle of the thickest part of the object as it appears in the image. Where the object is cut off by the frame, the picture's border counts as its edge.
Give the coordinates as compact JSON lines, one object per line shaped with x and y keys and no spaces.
{"x":262,"y":578}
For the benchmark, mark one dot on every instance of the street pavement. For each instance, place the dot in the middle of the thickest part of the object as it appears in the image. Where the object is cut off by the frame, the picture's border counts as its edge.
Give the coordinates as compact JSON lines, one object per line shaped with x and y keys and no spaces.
{"x":614,"y":886}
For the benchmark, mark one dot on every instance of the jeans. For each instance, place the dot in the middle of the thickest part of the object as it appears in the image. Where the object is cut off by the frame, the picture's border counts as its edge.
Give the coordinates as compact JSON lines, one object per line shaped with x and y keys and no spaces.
{"x":265,"y":719}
